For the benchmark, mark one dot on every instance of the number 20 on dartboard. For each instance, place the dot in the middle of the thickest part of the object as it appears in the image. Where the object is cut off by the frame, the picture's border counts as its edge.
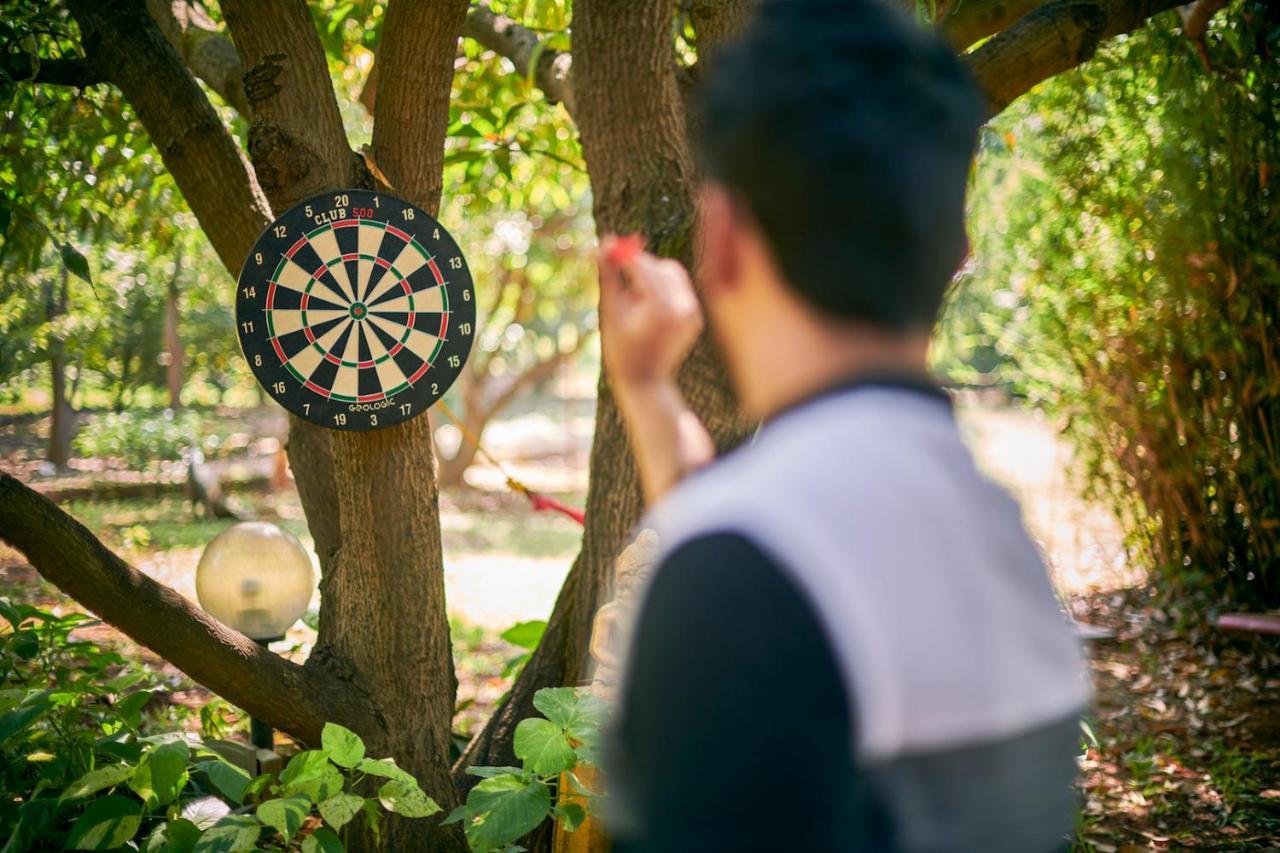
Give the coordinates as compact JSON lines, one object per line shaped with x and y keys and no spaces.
{"x":355,"y":310}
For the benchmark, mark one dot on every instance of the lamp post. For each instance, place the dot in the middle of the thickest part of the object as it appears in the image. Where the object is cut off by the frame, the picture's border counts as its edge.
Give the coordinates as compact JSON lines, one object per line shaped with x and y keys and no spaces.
{"x":258,"y":579}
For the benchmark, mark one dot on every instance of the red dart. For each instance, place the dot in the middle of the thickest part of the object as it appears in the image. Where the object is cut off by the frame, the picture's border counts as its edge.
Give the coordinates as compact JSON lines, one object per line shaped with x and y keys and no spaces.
{"x":624,"y":249}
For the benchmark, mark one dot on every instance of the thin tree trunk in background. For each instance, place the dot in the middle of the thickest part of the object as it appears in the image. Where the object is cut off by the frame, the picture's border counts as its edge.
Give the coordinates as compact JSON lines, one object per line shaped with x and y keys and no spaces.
{"x":172,"y":343}
{"x":62,"y":416}
{"x":624,"y":78}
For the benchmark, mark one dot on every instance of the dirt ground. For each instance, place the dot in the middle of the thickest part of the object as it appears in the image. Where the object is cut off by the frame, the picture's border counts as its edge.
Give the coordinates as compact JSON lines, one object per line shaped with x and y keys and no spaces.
{"x":1183,"y":751}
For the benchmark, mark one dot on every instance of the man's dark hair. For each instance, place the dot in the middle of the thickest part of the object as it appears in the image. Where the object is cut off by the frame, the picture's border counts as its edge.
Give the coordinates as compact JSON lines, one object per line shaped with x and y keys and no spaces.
{"x":847,"y":130}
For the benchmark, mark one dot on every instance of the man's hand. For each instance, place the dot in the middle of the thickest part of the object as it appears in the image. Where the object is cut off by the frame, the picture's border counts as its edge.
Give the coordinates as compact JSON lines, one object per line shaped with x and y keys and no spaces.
{"x":649,"y":320}
{"x":649,"y":315}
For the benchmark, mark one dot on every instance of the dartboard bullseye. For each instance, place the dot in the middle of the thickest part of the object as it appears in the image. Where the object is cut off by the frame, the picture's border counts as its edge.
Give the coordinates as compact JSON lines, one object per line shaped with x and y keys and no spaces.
{"x":355,"y":310}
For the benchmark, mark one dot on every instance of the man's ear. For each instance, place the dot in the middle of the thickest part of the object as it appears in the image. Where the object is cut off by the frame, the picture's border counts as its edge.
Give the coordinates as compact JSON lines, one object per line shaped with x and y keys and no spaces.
{"x":720,"y":261}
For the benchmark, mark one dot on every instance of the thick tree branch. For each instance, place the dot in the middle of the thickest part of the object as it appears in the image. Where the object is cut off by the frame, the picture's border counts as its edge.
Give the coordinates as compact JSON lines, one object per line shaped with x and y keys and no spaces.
{"x":973,"y":20}
{"x":523,"y":48}
{"x":71,"y":71}
{"x":204,"y":48}
{"x":1051,"y":39}
{"x":296,"y":139}
{"x":293,"y":698}
{"x":411,"y":112}
{"x":125,"y":42}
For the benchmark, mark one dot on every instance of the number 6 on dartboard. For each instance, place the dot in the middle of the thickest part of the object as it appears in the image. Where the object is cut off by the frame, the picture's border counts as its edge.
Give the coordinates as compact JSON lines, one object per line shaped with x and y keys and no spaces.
{"x":355,"y":310}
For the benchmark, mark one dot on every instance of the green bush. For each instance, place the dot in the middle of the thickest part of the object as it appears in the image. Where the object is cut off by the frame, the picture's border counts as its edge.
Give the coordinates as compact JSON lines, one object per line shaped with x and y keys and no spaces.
{"x":141,"y":438}
{"x":82,"y":771}
{"x":1127,"y":242}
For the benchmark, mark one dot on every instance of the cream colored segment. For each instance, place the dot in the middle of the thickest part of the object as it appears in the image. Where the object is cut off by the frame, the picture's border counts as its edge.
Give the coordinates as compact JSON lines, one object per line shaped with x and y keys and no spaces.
{"x":370,"y":243}
{"x":305,"y":362}
{"x":352,"y":353}
{"x":326,"y":246}
{"x":293,"y":277}
{"x":329,"y":338}
{"x":387,"y":282}
{"x":286,"y":320}
{"x":389,"y":373}
{"x":347,"y":382}
{"x":411,"y":260}
{"x":395,"y":330}
{"x":424,"y":301}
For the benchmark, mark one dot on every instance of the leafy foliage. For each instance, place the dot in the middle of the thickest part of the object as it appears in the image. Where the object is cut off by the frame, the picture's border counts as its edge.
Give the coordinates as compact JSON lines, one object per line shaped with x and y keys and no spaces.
{"x":81,"y":771}
{"x":1127,"y":267}
{"x":511,"y":802}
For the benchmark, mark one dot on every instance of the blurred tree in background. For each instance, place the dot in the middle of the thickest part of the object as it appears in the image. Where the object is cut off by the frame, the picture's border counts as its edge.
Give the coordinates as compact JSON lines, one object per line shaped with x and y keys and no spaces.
{"x":1126,"y":277}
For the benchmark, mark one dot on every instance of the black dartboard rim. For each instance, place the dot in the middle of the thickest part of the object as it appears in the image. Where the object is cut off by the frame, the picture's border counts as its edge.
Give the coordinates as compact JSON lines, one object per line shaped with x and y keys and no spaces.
{"x":355,"y":310}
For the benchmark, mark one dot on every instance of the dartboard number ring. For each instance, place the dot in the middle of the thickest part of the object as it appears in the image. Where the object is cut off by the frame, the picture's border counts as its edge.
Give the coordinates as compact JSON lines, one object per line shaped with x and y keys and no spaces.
{"x":355,"y":310}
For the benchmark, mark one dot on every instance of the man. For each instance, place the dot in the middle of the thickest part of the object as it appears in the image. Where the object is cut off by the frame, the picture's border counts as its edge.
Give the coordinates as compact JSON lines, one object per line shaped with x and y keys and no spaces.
{"x":850,"y":642}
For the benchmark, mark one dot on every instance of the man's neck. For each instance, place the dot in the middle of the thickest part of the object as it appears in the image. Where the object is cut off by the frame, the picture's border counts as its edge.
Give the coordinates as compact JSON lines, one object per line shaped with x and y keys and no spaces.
{"x":807,"y":361}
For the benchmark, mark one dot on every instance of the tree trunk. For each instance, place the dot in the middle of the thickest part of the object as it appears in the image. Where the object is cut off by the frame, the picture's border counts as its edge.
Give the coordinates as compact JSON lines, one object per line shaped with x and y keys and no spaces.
{"x":624,"y":77}
{"x":370,"y":498}
{"x":172,"y":343}
{"x":62,"y":417}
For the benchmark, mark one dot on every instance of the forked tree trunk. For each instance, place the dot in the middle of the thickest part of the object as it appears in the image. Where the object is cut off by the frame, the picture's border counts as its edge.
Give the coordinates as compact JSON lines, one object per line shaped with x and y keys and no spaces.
{"x":624,"y":78}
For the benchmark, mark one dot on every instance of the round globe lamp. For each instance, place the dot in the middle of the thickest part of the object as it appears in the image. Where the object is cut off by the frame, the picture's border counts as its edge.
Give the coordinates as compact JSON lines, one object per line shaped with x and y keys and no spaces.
{"x":258,"y":579}
{"x":255,"y":578}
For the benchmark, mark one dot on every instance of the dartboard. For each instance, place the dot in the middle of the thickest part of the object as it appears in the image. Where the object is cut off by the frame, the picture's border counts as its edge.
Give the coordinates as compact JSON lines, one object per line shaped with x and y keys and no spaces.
{"x":355,"y":310}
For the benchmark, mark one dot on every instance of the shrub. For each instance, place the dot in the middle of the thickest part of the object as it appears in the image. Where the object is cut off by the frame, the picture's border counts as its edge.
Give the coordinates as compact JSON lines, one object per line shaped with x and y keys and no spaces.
{"x":82,"y":772}
{"x":1127,"y":241}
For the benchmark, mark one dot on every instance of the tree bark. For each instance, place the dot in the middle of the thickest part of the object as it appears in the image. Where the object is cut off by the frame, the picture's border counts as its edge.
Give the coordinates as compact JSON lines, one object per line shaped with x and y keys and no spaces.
{"x":62,"y":417}
{"x":1051,"y":39}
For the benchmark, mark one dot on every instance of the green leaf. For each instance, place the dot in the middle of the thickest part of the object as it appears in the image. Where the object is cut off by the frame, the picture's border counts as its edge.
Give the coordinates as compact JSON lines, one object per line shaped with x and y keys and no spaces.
{"x":285,"y":815}
{"x":462,"y":812}
{"x":5,"y":217}
{"x":25,"y":644}
{"x":229,"y":780}
{"x":575,"y":711}
{"x":109,"y":822}
{"x":97,"y":780}
{"x":344,"y":746}
{"x":75,"y":262}
{"x":162,"y":774}
{"x":130,"y":707}
{"x":339,"y":809}
{"x":321,"y":787}
{"x":322,"y":841}
{"x":386,"y":768}
{"x":406,"y":799}
{"x":25,"y":714}
{"x":543,"y":747}
{"x":308,"y":764}
{"x":176,"y":836}
{"x":526,"y":635}
{"x":233,"y":834}
{"x":490,"y":772}
{"x":259,"y":784}
{"x":505,"y":808}
{"x":571,"y":816}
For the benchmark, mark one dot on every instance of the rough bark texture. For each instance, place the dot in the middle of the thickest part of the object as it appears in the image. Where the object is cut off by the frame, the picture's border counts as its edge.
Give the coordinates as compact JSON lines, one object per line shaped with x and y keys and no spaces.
{"x":624,"y":77}
{"x":172,"y":340}
{"x":128,"y":47}
{"x":976,"y":19}
{"x":210,"y":55}
{"x":1051,"y":39}
{"x":62,"y":418}
{"x":264,"y":684}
